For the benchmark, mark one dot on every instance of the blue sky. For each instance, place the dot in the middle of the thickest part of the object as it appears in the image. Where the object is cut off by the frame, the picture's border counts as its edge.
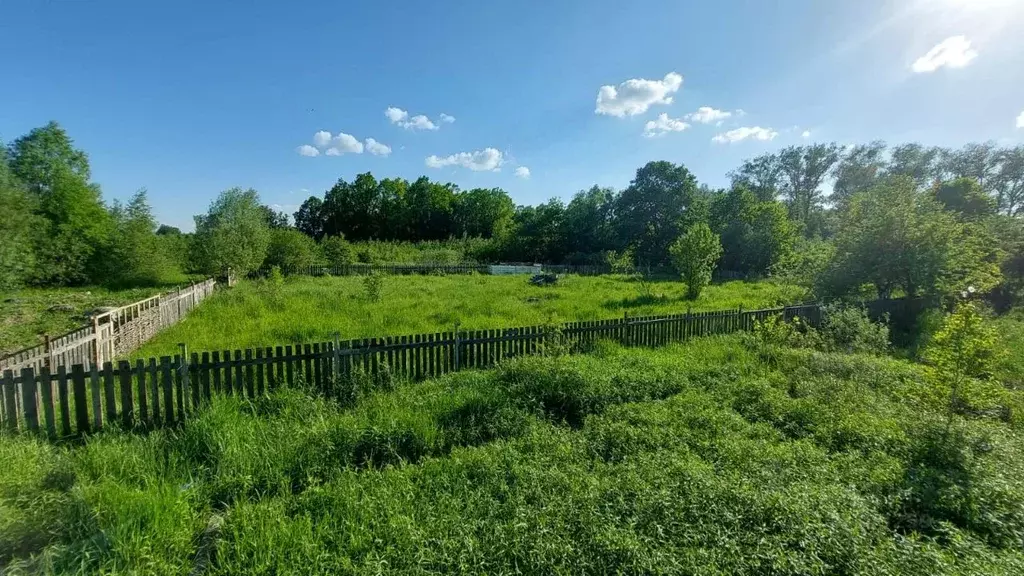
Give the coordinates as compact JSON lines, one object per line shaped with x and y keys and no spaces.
{"x":188,"y":98}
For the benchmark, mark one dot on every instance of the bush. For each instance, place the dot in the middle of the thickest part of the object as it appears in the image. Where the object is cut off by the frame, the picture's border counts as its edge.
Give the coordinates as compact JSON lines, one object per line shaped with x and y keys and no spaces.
{"x":337,"y":252}
{"x":290,"y":250}
{"x":849,"y":329}
{"x":695,"y":255}
{"x":373,"y":285}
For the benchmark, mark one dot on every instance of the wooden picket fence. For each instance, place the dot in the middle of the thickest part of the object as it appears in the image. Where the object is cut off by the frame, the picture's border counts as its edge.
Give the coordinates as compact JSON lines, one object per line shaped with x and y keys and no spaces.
{"x":86,"y":397}
{"x":113,"y":333}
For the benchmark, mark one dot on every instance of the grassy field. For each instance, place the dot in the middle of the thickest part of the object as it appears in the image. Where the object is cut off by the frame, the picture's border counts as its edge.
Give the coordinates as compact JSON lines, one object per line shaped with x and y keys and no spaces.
{"x":305,"y":310}
{"x":27,"y":314}
{"x":713,"y":457}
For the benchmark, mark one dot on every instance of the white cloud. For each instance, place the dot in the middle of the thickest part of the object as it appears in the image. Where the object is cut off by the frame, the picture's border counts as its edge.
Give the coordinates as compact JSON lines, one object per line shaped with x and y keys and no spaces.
{"x":636,"y":95}
{"x":396,"y":115}
{"x":523,"y":172}
{"x":286,"y":208}
{"x":419,"y":122}
{"x":708,"y":115}
{"x":663,"y":125}
{"x":446,"y":118}
{"x":745,"y":133}
{"x":805,"y":134}
{"x":376,"y":148}
{"x":481,"y":160}
{"x":1020,"y":120}
{"x":322,"y":138}
{"x":953,"y":52}
{"x":344,"y":143}
{"x":307,"y":150}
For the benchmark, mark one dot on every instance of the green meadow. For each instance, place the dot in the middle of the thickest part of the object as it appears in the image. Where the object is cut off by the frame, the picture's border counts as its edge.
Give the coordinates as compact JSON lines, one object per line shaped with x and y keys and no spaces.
{"x":304,"y":309}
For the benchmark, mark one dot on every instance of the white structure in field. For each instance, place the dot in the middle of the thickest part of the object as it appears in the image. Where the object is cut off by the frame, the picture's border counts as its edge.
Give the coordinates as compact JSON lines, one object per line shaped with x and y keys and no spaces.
{"x":505,"y":269}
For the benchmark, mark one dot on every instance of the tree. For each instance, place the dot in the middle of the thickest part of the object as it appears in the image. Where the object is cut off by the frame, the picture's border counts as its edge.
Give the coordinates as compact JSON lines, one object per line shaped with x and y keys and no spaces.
{"x":482,"y":213}
{"x":275,"y":219}
{"x":761,"y":175}
{"x":963,"y":357}
{"x":232,"y":234}
{"x":1009,"y":181}
{"x":336,"y":251}
{"x":588,"y":226}
{"x":536,"y":235}
{"x":695,"y":255}
{"x":16,"y":229}
{"x":309,"y":219}
{"x":754,"y":234}
{"x":804,"y":169}
{"x":167,"y":230}
{"x":976,"y":161}
{"x":290,"y":250}
{"x":45,"y":154}
{"x":135,"y":256}
{"x":76,"y":231}
{"x":431,"y":209}
{"x":77,"y":226}
{"x":660,"y":202}
{"x":859,"y":168}
{"x":898,"y":239}
{"x":914,"y":161}
{"x":964,"y":197}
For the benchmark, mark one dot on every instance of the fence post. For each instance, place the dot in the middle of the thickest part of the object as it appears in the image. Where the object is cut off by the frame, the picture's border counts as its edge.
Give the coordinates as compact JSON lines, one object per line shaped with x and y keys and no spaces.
{"x":336,"y":368}
{"x":97,"y":358}
{"x":458,"y":365}
{"x":46,"y":346}
{"x":184,"y":369}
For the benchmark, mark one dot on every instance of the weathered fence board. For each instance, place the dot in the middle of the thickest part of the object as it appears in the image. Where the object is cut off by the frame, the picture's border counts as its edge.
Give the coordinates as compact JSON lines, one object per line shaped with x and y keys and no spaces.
{"x":163,"y":391}
{"x":111,"y":334}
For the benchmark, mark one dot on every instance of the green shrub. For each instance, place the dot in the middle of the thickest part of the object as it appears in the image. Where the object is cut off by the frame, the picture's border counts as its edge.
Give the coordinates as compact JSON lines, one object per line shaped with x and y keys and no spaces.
{"x":290,"y":250}
{"x":373,"y":285}
{"x":337,"y":252}
{"x":849,"y":329}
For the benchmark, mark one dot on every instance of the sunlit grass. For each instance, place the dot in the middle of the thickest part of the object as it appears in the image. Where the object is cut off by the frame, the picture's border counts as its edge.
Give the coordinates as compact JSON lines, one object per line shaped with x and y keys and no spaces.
{"x":701,"y":458}
{"x":305,"y":310}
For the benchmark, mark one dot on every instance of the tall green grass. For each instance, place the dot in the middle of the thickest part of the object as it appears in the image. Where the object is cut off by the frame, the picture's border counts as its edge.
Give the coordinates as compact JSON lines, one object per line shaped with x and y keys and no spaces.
{"x":304,"y":310}
{"x":705,"y":458}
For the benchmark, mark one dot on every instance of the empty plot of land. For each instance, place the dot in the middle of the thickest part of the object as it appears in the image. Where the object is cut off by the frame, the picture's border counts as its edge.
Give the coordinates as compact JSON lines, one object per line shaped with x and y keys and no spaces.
{"x":314,"y":309}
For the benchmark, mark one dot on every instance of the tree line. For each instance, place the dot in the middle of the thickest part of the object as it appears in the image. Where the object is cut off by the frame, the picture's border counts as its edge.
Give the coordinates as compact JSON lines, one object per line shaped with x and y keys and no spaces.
{"x":909,"y":219}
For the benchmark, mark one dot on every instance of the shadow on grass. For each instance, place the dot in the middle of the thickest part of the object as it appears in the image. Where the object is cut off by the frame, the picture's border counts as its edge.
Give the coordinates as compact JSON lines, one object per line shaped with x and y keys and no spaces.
{"x":639,"y":301}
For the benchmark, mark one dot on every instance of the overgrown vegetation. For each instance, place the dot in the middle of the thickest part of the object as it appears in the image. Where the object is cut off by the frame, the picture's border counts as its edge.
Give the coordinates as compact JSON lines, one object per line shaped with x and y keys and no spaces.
{"x":909,"y":220}
{"x":696,"y":458}
{"x":303,"y":310}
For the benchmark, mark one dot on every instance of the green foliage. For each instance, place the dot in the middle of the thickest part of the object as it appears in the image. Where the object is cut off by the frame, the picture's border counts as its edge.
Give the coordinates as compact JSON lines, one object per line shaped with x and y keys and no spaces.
{"x":275,"y":277}
{"x":965,"y":197}
{"x":696,"y":458}
{"x":373,"y":286}
{"x":42,"y":157}
{"x":17,"y":259}
{"x":805,"y":263}
{"x":621,"y":262}
{"x":137,"y":256}
{"x":849,"y":329}
{"x":313,"y":309}
{"x":660,"y":203}
{"x":337,"y":251}
{"x":900,"y":240}
{"x":232,"y":234}
{"x":755,"y":234}
{"x":695,"y":255}
{"x":963,"y":355}
{"x":290,"y":250}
